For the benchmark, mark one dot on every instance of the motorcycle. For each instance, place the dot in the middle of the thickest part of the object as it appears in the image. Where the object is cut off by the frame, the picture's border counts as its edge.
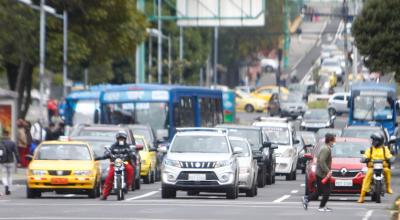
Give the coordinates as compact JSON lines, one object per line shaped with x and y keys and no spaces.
{"x":377,"y":181}
{"x":119,"y":185}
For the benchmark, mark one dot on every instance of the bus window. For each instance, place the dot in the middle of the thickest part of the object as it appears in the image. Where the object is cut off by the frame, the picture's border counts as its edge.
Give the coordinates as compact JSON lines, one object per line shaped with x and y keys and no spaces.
{"x":85,"y":111}
{"x":184,"y":113}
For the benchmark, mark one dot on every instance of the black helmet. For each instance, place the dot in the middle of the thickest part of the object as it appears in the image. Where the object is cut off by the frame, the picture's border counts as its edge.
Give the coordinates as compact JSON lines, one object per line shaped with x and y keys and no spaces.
{"x":377,"y":139}
{"x":121,"y":134}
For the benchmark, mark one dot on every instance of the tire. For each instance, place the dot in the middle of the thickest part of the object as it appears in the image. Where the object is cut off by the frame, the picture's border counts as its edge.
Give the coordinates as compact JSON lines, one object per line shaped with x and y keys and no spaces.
{"x":147,"y":178}
{"x":332,"y":111}
{"x":252,"y":192}
{"x":167,"y":193}
{"x":289,"y":176}
{"x":158,"y":174}
{"x":32,"y":193}
{"x":153,"y":176}
{"x":303,"y":170}
{"x":137,"y":183}
{"x":261,"y":178}
{"x":294,"y":175}
{"x":256,"y":188}
{"x":249,"y":108}
{"x":231,"y":193}
{"x":94,"y":193}
{"x":378,"y":191}
{"x":120,"y":192}
{"x":269,"y":178}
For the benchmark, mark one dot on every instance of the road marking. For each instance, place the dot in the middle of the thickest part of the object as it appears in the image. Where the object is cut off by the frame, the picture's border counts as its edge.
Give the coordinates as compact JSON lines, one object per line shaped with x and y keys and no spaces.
{"x":343,"y":199}
{"x":142,"y":196}
{"x":303,"y":184}
{"x":368,"y":214}
{"x":69,"y":195}
{"x":294,"y":191}
{"x":281,"y":199}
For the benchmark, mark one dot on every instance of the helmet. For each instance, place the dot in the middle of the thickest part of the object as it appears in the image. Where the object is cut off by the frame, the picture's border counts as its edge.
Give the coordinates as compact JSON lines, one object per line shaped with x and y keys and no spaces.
{"x":121,"y":134}
{"x":377,"y":139}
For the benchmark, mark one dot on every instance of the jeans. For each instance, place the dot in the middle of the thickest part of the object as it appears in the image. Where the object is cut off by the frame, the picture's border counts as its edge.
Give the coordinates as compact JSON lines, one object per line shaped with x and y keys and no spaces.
{"x":6,"y":169}
{"x":322,"y":189}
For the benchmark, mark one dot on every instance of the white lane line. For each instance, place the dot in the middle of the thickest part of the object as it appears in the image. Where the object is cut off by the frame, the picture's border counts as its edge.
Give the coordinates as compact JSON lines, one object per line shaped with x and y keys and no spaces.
{"x":303,"y":185}
{"x":343,"y":199}
{"x":368,"y":215}
{"x":69,"y":195}
{"x":281,"y":199}
{"x":142,"y":196}
{"x":294,"y":191}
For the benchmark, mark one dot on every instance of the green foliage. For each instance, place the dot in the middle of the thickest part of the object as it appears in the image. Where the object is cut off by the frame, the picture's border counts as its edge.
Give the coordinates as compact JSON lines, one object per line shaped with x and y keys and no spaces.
{"x":317,"y":104}
{"x":376,"y":32}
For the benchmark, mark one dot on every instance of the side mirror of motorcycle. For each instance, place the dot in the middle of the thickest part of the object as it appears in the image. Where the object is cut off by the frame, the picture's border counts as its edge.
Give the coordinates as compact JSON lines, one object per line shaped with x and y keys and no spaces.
{"x":137,"y":147}
{"x":362,"y":151}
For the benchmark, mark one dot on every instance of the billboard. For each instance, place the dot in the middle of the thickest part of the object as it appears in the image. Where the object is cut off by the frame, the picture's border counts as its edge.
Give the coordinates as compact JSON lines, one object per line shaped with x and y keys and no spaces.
{"x":224,"y":13}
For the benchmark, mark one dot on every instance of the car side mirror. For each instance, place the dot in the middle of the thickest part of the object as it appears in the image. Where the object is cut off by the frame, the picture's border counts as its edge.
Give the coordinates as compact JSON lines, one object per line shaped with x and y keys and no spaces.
{"x":265,"y":145}
{"x":237,"y":150}
{"x":362,"y":151}
{"x":308,"y":156}
{"x":29,"y":157}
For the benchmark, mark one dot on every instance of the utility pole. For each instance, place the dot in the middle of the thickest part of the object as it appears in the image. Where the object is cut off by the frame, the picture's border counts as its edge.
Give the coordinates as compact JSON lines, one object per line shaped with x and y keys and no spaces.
{"x":215,"y":55}
{"x":181,"y":54}
{"x":169,"y":60}
{"x":287,"y":36}
{"x":140,"y":51}
{"x":150,"y":58}
{"x":345,"y":11}
{"x":42,"y":58}
{"x":159,"y":55}
{"x":65,"y":53}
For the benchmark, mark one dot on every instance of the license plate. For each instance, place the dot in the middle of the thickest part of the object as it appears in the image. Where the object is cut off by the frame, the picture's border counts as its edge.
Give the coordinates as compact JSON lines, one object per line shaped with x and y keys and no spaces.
{"x":59,"y":181}
{"x":341,"y":183}
{"x":197,"y":177}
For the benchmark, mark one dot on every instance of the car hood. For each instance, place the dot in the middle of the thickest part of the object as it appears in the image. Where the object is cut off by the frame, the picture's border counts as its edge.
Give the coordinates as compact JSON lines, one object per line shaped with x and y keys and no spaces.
{"x":245,"y":161}
{"x":348,"y":163}
{"x":198,"y":157}
{"x":61,"y":165}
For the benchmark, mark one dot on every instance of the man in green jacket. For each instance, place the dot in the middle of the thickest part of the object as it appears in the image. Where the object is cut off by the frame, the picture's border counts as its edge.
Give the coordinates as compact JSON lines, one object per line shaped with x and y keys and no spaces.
{"x":323,"y":170}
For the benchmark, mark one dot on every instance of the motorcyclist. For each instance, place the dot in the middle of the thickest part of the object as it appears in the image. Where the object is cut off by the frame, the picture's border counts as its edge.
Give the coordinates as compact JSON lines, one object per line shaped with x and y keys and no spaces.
{"x":122,"y":150}
{"x":376,"y":152}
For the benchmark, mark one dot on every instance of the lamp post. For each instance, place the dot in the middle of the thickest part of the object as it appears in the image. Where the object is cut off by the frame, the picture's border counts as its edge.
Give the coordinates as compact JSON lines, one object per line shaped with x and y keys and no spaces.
{"x":156,"y":33}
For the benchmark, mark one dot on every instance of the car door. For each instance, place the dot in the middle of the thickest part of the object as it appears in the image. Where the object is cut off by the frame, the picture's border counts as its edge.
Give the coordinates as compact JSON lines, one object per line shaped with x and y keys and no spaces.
{"x":239,"y":102}
{"x":340,"y":103}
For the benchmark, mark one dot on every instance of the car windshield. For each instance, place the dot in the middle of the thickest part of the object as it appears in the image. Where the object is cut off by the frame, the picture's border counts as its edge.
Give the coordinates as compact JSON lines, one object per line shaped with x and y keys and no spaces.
{"x":322,"y":132}
{"x":309,"y":138}
{"x":349,"y":149}
{"x":200,"y":144}
{"x":98,"y":146}
{"x":291,"y":97}
{"x":361,"y":133}
{"x":372,"y":108}
{"x":317,"y":115}
{"x":143,"y":132}
{"x":63,"y":152}
{"x":97,"y":133}
{"x":242,"y":145}
{"x":277,"y":135}
{"x":253,"y":136}
{"x":153,"y":114}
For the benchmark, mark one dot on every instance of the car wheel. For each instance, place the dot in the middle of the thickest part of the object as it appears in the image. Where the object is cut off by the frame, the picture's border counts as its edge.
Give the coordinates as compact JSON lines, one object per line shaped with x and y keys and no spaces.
{"x":294,"y":175}
{"x":32,"y":193}
{"x":93,"y":193}
{"x":167,"y":193}
{"x":153,"y":177}
{"x":269,"y":178}
{"x":137,"y":183}
{"x":289,"y":176}
{"x":231,"y":193}
{"x":147,"y":178}
{"x":249,"y":108}
{"x":252,"y":191}
{"x":261,"y":178}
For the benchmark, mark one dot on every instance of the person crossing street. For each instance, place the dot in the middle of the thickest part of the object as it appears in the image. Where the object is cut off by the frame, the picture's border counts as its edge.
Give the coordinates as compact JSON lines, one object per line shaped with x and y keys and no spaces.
{"x":8,"y":150}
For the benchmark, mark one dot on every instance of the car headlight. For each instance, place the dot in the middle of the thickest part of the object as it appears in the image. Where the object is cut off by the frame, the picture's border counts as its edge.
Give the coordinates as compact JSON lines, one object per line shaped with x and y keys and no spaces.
{"x":313,"y":168}
{"x":364,"y":170}
{"x":173,"y":163}
{"x":38,"y":172}
{"x":288,"y":153}
{"x":303,"y":124}
{"x":223,"y":163}
{"x":82,"y":172}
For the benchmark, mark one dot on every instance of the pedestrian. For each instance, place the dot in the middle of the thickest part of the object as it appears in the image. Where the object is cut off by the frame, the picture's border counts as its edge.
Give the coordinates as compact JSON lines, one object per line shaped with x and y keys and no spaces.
{"x":23,"y":148}
{"x":38,"y":135}
{"x":8,"y":150}
{"x":51,"y":132}
{"x":323,"y":174}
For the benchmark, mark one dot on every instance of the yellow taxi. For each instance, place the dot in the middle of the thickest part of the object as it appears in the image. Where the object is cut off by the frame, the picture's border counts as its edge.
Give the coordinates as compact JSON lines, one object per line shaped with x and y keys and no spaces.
{"x":248,"y":103}
{"x":148,"y":157}
{"x":64,"y":167}
{"x":265,"y":92}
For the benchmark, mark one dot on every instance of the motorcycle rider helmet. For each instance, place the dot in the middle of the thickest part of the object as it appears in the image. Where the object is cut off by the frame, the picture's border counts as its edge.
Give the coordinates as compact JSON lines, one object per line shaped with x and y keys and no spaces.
{"x":377,"y":139}
{"x":121,"y":135}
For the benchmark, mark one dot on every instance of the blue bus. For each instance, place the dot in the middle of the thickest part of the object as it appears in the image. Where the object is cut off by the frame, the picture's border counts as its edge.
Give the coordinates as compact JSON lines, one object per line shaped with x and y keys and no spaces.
{"x":163,"y":107}
{"x":374,"y":104}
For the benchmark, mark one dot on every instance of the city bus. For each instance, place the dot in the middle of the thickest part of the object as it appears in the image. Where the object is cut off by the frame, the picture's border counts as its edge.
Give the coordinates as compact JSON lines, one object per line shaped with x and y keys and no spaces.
{"x":374,"y":104}
{"x":163,"y":107}
{"x":81,"y":107}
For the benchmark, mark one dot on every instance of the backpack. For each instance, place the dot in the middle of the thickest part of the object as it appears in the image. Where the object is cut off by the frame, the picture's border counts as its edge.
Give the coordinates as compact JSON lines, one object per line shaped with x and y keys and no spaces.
{"x":3,"y":153}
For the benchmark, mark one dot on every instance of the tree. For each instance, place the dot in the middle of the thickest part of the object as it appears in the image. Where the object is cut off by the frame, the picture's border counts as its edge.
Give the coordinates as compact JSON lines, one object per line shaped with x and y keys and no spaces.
{"x":99,"y":32}
{"x":376,"y":33}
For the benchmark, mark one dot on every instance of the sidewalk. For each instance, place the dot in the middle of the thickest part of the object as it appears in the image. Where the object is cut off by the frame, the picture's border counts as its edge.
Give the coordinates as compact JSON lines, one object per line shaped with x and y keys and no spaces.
{"x":19,"y":177}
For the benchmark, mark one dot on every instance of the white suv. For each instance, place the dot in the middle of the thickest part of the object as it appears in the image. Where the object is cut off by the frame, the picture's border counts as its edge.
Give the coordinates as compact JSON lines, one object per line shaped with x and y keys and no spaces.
{"x":200,"y":160}
{"x":282,"y":134}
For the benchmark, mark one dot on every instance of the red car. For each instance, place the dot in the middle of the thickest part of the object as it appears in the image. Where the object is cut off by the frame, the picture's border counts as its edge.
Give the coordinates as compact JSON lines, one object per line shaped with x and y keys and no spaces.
{"x":347,"y":170}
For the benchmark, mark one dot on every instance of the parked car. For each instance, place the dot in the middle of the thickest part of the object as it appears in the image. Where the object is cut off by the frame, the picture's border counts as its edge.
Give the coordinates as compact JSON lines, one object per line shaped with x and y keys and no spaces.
{"x":64,"y":167}
{"x":248,"y":167}
{"x":292,"y":105}
{"x":315,"y":119}
{"x":347,"y":170}
{"x":262,"y":150}
{"x":207,"y":164}
{"x":249,"y":103}
{"x":323,"y":131}
{"x":337,"y":103}
{"x":109,"y":131}
{"x":148,"y":157}
{"x":282,"y":133}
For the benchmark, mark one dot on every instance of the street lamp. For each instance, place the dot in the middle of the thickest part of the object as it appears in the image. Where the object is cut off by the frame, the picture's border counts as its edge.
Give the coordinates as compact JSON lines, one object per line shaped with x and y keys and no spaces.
{"x":44,"y":8}
{"x":157,"y":34}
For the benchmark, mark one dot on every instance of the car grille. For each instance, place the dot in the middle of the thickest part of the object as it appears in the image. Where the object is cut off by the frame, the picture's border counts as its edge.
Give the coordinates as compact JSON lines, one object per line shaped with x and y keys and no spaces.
{"x":59,"y":172}
{"x":200,"y":183}
{"x":350,"y":173}
{"x":197,"y":165}
{"x":209,"y":175}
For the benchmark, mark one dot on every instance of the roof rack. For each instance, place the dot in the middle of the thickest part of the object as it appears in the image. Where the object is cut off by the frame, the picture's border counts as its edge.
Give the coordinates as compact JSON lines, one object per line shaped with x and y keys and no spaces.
{"x":189,"y":129}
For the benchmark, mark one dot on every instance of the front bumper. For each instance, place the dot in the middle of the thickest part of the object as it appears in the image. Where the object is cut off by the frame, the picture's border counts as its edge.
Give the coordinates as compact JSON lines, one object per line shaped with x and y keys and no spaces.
{"x":354,"y":188}
{"x":283,"y":165}
{"x":64,"y":182}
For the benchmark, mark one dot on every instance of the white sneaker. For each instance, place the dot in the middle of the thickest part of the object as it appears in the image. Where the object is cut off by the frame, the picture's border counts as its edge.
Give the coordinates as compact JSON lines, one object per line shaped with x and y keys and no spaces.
{"x":324,"y":209}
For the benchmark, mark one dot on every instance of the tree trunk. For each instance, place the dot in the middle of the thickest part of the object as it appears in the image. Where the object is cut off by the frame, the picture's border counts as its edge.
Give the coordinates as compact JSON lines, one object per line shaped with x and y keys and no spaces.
{"x":28,"y":87}
{"x":20,"y":86}
{"x":12,"y":74}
